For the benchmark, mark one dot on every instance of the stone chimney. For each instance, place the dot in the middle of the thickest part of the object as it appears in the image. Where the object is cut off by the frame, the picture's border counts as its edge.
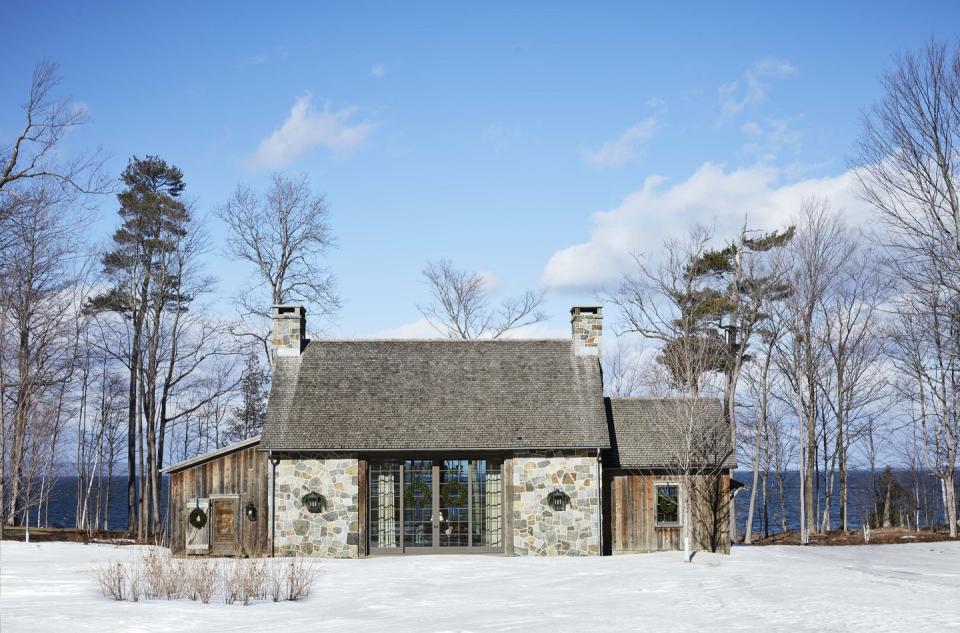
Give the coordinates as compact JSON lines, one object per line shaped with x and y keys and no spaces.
{"x":289,"y":330}
{"x":587,"y":323}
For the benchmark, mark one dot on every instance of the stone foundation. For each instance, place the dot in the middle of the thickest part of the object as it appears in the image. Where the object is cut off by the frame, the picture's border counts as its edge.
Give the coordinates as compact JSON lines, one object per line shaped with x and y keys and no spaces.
{"x":333,"y":533}
{"x":537,"y":528}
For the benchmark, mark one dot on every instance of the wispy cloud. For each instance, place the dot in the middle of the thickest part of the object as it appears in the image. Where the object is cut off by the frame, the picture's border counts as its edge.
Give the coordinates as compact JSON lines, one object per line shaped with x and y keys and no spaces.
{"x":306,"y":129}
{"x":753,"y":86}
{"x":378,"y":71}
{"x":769,"y":138}
{"x":626,"y":147}
{"x":712,"y":195}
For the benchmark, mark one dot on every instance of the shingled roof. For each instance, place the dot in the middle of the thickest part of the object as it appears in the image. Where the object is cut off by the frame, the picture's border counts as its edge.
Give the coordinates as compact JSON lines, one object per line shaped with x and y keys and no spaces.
{"x":436,"y":394}
{"x":647,"y":431}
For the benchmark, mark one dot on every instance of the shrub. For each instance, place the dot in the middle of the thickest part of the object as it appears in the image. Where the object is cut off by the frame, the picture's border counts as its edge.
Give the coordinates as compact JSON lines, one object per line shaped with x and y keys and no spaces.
{"x":113,"y":580}
{"x":157,"y":575}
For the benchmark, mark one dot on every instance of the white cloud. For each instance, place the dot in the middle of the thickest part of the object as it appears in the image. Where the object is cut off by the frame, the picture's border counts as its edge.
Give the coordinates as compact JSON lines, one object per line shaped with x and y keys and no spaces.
{"x":712,"y":195}
{"x":752,"y":87}
{"x":621,"y":150}
{"x":378,"y":71}
{"x":305,"y":129}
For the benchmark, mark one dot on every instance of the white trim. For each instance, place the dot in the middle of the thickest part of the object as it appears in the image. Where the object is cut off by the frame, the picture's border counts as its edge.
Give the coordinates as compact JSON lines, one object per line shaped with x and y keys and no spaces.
{"x":680,"y":504}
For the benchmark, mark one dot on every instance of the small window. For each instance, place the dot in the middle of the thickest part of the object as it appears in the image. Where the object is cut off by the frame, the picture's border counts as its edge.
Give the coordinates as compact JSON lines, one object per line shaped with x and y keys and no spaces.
{"x":668,"y":504}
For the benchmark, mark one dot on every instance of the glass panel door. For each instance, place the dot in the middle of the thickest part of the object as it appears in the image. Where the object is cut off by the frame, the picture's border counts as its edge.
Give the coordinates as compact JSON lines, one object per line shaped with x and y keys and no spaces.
{"x":384,"y":510}
{"x":486,"y":503}
{"x":431,"y":505}
{"x":454,"y":515}
{"x":418,"y":503}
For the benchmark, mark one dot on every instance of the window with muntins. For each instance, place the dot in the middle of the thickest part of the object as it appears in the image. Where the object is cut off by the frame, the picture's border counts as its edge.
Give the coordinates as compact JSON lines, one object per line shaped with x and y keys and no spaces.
{"x":668,"y":504}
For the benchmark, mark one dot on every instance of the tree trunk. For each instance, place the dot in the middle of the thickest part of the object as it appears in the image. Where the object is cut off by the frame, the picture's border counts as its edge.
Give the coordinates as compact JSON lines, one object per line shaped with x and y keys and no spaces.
{"x":886,"y":507}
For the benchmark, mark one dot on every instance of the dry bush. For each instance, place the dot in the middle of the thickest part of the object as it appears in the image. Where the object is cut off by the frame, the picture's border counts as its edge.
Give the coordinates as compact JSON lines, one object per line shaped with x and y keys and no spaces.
{"x":135,"y":582}
{"x":204,"y":579}
{"x":255,"y":579}
{"x":157,"y":575}
{"x":156,"y":572}
{"x":113,"y":580}
{"x":231,"y":583}
{"x":300,"y":576}
{"x":276,"y":579}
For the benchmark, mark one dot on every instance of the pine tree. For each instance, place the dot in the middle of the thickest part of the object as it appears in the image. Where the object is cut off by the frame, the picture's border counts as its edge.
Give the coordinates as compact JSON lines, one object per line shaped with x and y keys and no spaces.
{"x":247,"y":419}
{"x":154,"y":220}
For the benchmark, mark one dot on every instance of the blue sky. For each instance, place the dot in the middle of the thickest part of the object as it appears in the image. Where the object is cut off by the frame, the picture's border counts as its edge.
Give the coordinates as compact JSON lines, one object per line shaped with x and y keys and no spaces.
{"x":540,"y":144}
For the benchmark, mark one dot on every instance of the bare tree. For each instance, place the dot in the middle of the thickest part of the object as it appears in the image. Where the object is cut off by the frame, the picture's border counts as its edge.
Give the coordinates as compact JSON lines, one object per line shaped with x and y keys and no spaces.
{"x":461,"y":306}
{"x":284,"y":234}
{"x":623,"y":372}
{"x":851,"y":337}
{"x":909,"y":171}
{"x":33,"y":157}
{"x":760,"y":385}
{"x":38,"y":274}
{"x":814,"y":261}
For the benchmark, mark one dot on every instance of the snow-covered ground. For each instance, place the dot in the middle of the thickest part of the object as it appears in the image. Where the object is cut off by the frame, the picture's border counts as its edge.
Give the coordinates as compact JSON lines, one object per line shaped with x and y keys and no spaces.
{"x":916,"y":587}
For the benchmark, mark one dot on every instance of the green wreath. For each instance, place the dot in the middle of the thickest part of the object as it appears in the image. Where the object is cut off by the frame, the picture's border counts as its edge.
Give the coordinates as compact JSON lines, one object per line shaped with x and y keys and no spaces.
{"x":198,"y":518}
{"x":412,"y":500}
{"x":454,"y":494}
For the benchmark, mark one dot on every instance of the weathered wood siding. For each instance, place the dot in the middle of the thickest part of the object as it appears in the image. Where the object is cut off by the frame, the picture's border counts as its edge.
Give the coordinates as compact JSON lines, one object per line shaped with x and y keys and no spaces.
{"x":630,"y":521}
{"x":244,"y":473}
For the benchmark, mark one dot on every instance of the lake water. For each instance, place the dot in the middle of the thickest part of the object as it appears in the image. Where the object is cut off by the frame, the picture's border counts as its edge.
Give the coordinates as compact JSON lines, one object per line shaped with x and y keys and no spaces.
{"x":62,"y":509}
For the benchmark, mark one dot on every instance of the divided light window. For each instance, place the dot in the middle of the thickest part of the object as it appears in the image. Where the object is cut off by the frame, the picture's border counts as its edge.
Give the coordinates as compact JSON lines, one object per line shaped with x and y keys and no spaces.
{"x":668,"y":504}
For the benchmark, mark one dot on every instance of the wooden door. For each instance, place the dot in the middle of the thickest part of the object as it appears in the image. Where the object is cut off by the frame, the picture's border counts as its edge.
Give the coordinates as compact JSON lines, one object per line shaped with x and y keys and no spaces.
{"x":223,"y":538}
{"x":198,"y":539}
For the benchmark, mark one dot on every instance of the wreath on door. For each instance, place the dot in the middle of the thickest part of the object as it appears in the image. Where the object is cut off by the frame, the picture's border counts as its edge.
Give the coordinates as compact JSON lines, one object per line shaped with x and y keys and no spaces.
{"x":198,"y":518}
{"x":417,"y":495}
{"x":454,"y":494}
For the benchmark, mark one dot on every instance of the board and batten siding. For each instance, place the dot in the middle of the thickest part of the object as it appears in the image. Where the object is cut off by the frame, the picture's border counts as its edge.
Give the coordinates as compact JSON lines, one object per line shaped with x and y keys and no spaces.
{"x":630,"y":516}
{"x":244,"y":473}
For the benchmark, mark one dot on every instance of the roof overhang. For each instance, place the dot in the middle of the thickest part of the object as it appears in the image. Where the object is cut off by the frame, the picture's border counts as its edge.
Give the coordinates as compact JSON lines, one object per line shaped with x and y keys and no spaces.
{"x":206,"y":457}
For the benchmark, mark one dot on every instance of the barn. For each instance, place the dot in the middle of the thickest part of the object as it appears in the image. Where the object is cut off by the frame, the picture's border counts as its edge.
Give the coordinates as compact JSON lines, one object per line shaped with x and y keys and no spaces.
{"x":396,"y":447}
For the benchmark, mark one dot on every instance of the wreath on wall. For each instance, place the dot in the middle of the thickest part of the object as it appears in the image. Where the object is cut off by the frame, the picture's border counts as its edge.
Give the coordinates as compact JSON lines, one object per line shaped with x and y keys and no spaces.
{"x":198,"y":518}
{"x":412,"y":499}
{"x":454,"y":494}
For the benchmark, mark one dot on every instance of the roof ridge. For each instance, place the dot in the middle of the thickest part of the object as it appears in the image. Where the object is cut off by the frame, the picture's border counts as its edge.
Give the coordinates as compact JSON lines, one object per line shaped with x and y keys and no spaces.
{"x":440,"y":340}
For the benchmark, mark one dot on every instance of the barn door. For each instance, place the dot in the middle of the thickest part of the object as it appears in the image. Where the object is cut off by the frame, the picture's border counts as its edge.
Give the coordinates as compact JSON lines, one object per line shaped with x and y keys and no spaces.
{"x":224,"y":531}
{"x":198,"y":539}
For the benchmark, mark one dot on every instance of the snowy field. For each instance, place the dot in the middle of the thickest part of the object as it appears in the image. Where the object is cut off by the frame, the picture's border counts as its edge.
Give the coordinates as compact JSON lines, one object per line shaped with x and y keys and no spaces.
{"x":916,"y":587}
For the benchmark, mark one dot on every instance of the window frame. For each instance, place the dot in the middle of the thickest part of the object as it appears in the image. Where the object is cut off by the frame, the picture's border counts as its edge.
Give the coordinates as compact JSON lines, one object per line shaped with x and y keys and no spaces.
{"x":656,"y":497}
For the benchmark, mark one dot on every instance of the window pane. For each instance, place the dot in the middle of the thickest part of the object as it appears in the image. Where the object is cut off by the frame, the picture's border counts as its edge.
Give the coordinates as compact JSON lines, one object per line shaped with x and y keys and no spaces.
{"x":487,"y":500}
{"x":668,"y":503}
{"x":418,"y":503}
{"x":384,"y":496}
{"x":453,"y":503}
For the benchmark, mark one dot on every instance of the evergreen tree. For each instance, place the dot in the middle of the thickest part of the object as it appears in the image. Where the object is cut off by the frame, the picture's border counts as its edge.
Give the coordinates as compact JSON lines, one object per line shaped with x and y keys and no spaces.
{"x":154,"y":221}
{"x":247,"y":419}
{"x":729,"y":295}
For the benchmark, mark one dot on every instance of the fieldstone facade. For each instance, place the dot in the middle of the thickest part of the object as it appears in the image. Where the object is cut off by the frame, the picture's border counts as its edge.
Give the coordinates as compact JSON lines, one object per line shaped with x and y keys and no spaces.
{"x":333,"y":533}
{"x":538,"y":529}
{"x":587,"y":325}
{"x":289,"y":330}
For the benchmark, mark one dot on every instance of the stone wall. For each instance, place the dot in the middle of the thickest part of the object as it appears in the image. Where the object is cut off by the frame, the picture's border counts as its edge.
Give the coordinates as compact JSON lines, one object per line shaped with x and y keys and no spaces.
{"x":333,"y":533}
{"x":537,"y":528}
{"x":289,"y":330}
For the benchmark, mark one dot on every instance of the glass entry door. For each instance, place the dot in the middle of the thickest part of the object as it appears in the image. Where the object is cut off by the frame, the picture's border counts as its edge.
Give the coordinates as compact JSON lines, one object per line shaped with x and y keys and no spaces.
{"x":435,"y":505}
{"x":419,"y":518}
